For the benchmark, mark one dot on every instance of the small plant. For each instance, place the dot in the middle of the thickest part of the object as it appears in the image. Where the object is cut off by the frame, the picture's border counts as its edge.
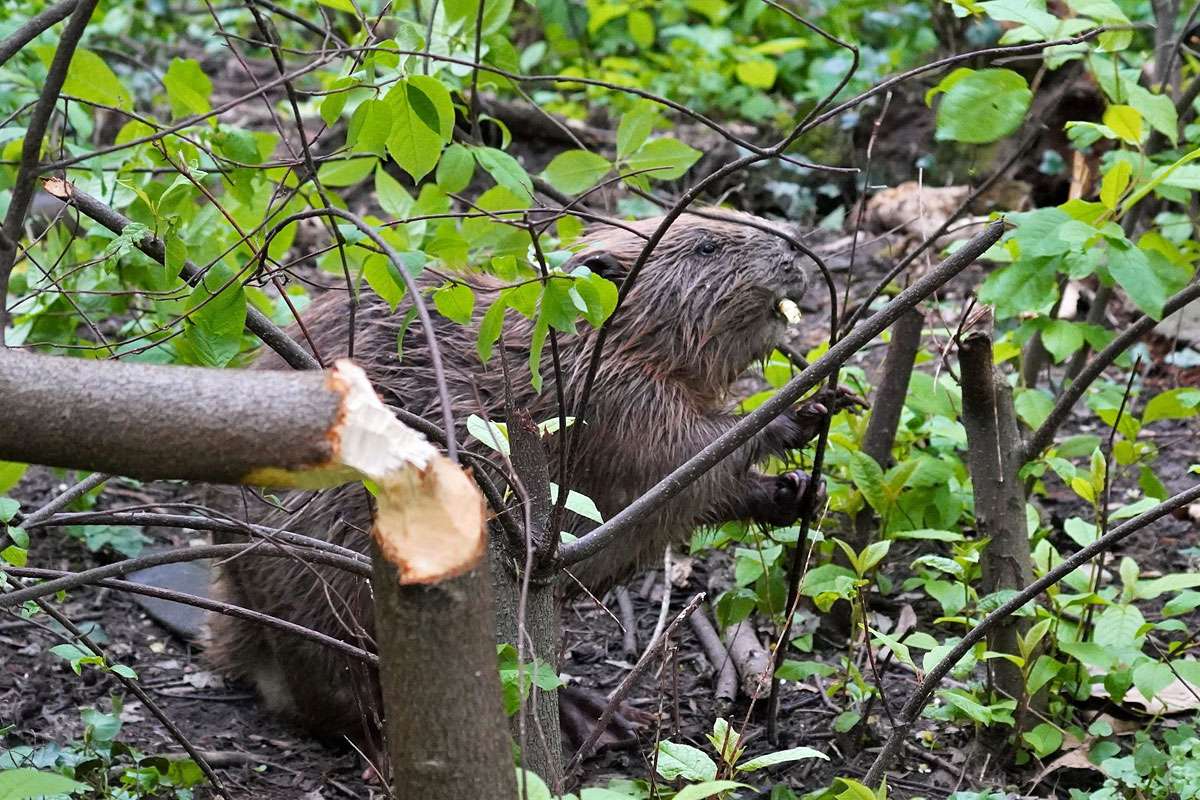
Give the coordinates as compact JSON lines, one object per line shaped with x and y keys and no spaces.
{"x":1153,"y":772}
{"x":97,"y":767}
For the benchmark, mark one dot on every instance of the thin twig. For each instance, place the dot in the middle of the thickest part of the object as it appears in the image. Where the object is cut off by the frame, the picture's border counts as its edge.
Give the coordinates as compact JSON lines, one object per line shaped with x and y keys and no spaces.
{"x":61,"y":501}
{"x":33,"y":28}
{"x":24,"y":184}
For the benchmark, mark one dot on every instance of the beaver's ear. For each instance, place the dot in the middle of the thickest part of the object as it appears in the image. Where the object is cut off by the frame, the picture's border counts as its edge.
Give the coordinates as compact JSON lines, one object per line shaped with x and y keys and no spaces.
{"x":600,"y":262}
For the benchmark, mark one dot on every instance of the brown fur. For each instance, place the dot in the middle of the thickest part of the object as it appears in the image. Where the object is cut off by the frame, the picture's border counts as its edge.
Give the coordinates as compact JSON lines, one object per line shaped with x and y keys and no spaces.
{"x":690,"y":326}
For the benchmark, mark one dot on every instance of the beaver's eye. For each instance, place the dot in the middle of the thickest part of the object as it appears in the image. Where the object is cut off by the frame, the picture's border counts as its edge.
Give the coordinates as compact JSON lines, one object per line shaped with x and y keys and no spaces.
{"x":707,"y":248}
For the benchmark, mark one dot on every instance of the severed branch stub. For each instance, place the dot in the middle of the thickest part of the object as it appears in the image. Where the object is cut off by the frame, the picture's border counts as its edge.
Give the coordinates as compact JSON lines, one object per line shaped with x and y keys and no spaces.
{"x":294,"y":429}
{"x":430,"y":517}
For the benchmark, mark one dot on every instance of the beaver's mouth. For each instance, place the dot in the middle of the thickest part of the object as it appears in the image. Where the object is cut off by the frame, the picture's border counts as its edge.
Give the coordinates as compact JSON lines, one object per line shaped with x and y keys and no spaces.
{"x":787,"y":308}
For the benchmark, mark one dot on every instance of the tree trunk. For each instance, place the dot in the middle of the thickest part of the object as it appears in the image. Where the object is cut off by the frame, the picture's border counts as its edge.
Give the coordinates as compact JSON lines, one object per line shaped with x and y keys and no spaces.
{"x":993,"y":443}
{"x":542,"y":748}
{"x":447,"y":735}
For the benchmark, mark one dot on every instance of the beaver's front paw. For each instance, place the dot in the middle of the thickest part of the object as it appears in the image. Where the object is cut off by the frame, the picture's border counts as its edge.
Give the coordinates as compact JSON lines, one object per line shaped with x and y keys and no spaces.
{"x":785,"y":500}
{"x":808,"y":415}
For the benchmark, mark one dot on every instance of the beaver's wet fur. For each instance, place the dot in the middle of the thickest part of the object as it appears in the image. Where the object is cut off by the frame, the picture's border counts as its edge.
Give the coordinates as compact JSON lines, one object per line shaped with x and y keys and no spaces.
{"x":704,"y":308}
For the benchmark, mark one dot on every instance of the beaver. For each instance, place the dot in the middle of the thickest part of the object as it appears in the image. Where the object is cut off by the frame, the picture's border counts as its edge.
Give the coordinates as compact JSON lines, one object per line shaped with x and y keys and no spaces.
{"x":711,"y":300}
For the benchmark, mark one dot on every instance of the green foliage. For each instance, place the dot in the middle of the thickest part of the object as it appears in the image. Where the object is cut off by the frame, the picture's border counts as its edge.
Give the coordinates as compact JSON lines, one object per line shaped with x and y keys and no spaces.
{"x":980,"y":106}
{"x":450,"y":192}
{"x":517,"y":678}
{"x":1153,"y":770}
{"x":97,"y":766}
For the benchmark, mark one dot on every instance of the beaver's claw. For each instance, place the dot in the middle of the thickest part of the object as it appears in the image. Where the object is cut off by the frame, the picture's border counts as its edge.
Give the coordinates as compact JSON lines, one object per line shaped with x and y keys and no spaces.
{"x":831,"y":401}
{"x":807,"y":417}
{"x":787,"y":498}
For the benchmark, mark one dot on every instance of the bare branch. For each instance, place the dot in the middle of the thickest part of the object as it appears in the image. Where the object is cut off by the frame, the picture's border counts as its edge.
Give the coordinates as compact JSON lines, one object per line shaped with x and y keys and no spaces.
{"x":207,"y":604}
{"x":33,"y":28}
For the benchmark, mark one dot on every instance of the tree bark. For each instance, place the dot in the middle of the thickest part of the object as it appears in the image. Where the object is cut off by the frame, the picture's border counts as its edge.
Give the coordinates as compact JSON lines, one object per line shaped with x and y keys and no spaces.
{"x":993,"y":444}
{"x":447,"y":735}
{"x":887,"y":406}
{"x":532,"y":626}
{"x":151,"y":422}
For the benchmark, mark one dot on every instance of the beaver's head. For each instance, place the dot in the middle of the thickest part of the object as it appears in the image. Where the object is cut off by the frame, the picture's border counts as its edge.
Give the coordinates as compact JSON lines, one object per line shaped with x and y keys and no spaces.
{"x":709,"y":301}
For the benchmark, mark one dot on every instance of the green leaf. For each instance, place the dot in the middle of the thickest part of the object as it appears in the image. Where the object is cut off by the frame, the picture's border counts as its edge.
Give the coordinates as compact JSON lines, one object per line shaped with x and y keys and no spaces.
{"x":1161,"y":174}
{"x":1044,"y":739}
{"x":536,"y":342}
{"x":393,"y":197}
{"x":456,"y":168}
{"x":576,"y":171}
{"x":1115,"y":182}
{"x":369,"y":127}
{"x":867,"y":476}
{"x":1044,"y":670}
{"x":757,"y":74}
{"x":1151,"y":677}
{"x":334,"y":103}
{"x":983,"y":107}
{"x":641,"y":28}
{"x":17,"y":556}
{"x":1027,"y":12}
{"x":505,"y":170}
{"x":89,"y":78}
{"x":1146,"y":276}
{"x":1119,"y":626}
{"x":1173,"y":404}
{"x":1028,"y":285}
{"x":491,"y":434}
{"x":218,"y":315}
{"x":1062,"y":338}
{"x":346,"y":171}
{"x":928,"y":534}
{"x":439,"y":113}
{"x":25,"y":783}
{"x":577,"y":503}
{"x":188,"y":88}
{"x":9,"y":508}
{"x":1033,"y":406}
{"x":10,"y":474}
{"x":1126,"y":122}
{"x":1155,"y":587}
{"x":600,"y":295}
{"x":489,"y":329}
{"x":855,"y":791}
{"x":413,"y":144}
{"x":698,"y":791}
{"x":125,"y":672}
{"x":668,"y":158}
{"x":635,"y":127}
{"x":455,"y":302}
{"x":684,"y":761}
{"x":378,"y":272}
